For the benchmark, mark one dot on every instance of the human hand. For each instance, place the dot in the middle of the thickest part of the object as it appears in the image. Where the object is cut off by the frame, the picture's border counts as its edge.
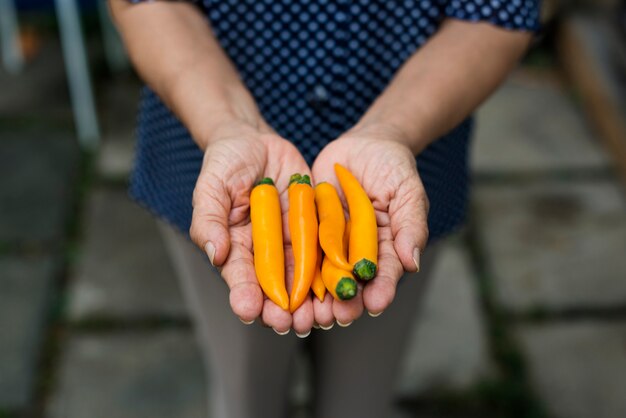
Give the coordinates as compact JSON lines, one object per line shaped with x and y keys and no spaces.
{"x":386,"y":169}
{"x":237,"y":156}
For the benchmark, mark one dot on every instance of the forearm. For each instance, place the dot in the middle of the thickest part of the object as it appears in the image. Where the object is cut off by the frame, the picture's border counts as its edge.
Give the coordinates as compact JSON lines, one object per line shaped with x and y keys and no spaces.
{"x":444,"y":81}
{"x":175,"y":52}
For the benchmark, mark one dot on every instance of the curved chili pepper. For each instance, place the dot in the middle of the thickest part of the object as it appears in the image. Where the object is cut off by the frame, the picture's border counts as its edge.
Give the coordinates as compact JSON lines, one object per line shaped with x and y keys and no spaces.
{"x":267,"y":239}
{"x":346,"y":237}
{"x":363,"y":251}
{"x":332,"y":224}
{"x":340,"y":283}
{"x":318,"y":287}
{"x":303,"y":229}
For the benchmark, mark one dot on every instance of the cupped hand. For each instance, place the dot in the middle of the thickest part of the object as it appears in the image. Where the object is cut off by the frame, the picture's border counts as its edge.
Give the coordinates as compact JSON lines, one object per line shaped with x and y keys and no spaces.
{"x":386,"y":169}
{"x":238,"y":156}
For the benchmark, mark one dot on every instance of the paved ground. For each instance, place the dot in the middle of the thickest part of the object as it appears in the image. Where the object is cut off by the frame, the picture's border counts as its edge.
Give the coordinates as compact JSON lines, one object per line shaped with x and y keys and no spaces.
{"x":526,"y":315}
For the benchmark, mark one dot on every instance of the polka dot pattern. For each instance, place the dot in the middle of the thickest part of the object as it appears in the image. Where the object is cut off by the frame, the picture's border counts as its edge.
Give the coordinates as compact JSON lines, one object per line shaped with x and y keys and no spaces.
{"x":314,"y":67}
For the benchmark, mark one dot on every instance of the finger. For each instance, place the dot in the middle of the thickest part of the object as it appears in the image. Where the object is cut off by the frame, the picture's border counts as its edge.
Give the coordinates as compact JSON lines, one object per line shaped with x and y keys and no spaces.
{"x":303,"y":318}
{"x":276,"y":317}
{"x":324,"y":172}
{"x":288,"y":160}
{"x":323,"y":312}
{"x":408,"y":213}
{"x":246,"y":296}
{"x":347,"y":311}
{"x":380,"y":292}
{"x":209,"y":220}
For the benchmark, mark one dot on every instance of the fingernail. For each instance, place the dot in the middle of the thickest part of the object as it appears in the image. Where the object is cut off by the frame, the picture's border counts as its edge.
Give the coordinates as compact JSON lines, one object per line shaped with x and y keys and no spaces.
{"x":416,"y":258}
{"x":281,"y":333}
{"x":374,"y":315}
{"x":316,"y":326}
{"x":344,"y":325}
{"x":247,"y":322}
{"x":209,"y":248}
{"x":303,"y":335}
{"x":328,"y":327}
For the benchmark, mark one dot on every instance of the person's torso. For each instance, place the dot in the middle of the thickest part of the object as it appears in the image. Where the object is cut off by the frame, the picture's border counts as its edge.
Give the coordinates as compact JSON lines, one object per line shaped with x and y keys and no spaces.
{"x":314,"y":67}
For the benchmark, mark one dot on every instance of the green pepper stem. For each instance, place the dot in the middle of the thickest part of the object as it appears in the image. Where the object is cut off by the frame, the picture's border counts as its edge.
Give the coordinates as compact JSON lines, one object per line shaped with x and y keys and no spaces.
{"x":346,"y":288}
{"x":305,"y":180}
{"x":295,"y":178}
{"x":365,"y":269}
{"x":300,"y":179}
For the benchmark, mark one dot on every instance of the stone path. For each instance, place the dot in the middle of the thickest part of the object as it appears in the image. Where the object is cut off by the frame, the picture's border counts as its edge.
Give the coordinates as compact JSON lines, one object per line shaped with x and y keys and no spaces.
{"x":124,"y":271}
{"x":552,"y":238}
{"x":555,"y":245}
{"x":36,"y":191}
{"x":130,"y":374}
{"x":449,"y":348}
{"x":578,"y":368}
{"x":529,"y":126}
{"x":39,"y":164}
{"x":27,"y":289}
{"x":537,"y":271}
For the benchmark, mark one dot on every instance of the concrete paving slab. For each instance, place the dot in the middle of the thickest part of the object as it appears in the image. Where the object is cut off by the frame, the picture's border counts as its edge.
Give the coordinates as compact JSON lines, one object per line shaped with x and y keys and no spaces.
{"x":531,"y":125}
{"x":120,"y":103}
{"x":37,"y":188}
{"x":147,"y":374}
{"x":124,"y":270}
{"x":26,"y":285}
{"x":115,"y":159}
{"x":555,"y":245}
{"x":448,"y":348}
{"x":578,"y":369}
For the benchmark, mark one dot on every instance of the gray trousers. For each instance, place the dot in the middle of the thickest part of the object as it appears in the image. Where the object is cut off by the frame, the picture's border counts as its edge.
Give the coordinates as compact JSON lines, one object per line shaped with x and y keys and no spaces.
{"x":249,"y":366}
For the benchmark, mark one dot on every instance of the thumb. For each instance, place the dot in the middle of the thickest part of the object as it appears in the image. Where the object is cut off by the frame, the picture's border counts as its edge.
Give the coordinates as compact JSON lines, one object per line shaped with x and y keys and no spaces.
{"x":209,"y":220}
{"x":408,"y":212}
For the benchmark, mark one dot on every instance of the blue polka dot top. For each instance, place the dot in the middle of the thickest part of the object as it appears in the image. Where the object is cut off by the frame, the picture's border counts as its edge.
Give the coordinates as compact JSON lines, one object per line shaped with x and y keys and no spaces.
{"x":314,"y":67}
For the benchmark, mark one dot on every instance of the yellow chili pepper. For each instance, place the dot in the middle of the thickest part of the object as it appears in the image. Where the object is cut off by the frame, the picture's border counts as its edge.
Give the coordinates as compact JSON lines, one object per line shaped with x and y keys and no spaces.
{"x":318,"y":287}
{"x":267,"y":239}
{"x":303,"y":229}
{"x":363,"y":251}
{"x":332,"y":225}
{"x":346,"y":237}
{"x":340,"y":283}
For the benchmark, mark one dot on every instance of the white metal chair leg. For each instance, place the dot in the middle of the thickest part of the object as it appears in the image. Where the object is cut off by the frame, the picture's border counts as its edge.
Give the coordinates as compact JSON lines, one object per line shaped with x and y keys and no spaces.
{"x":78,"y":74}
{"x":11,"y":52}
{"x":113,"y":47}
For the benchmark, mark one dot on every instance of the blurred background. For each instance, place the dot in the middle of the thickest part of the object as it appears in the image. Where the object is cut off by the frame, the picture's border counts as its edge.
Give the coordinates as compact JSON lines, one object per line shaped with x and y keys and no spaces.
{"x":526,"y":316}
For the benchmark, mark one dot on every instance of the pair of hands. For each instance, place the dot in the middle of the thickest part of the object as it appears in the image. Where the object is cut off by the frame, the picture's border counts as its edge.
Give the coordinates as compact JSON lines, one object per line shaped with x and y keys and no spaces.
{"x":238,"y":155}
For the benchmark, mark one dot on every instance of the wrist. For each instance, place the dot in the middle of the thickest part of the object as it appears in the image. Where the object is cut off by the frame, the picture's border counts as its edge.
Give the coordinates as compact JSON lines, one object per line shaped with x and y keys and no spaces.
{"x":220,"y":124}
{"x":206,"y":107}
{"x":225,"y":125}
{"x":384,"y":131}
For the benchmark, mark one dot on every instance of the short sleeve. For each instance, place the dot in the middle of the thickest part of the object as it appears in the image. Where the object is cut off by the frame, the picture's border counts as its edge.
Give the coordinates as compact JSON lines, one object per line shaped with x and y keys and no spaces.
{"x":509,"y":14}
